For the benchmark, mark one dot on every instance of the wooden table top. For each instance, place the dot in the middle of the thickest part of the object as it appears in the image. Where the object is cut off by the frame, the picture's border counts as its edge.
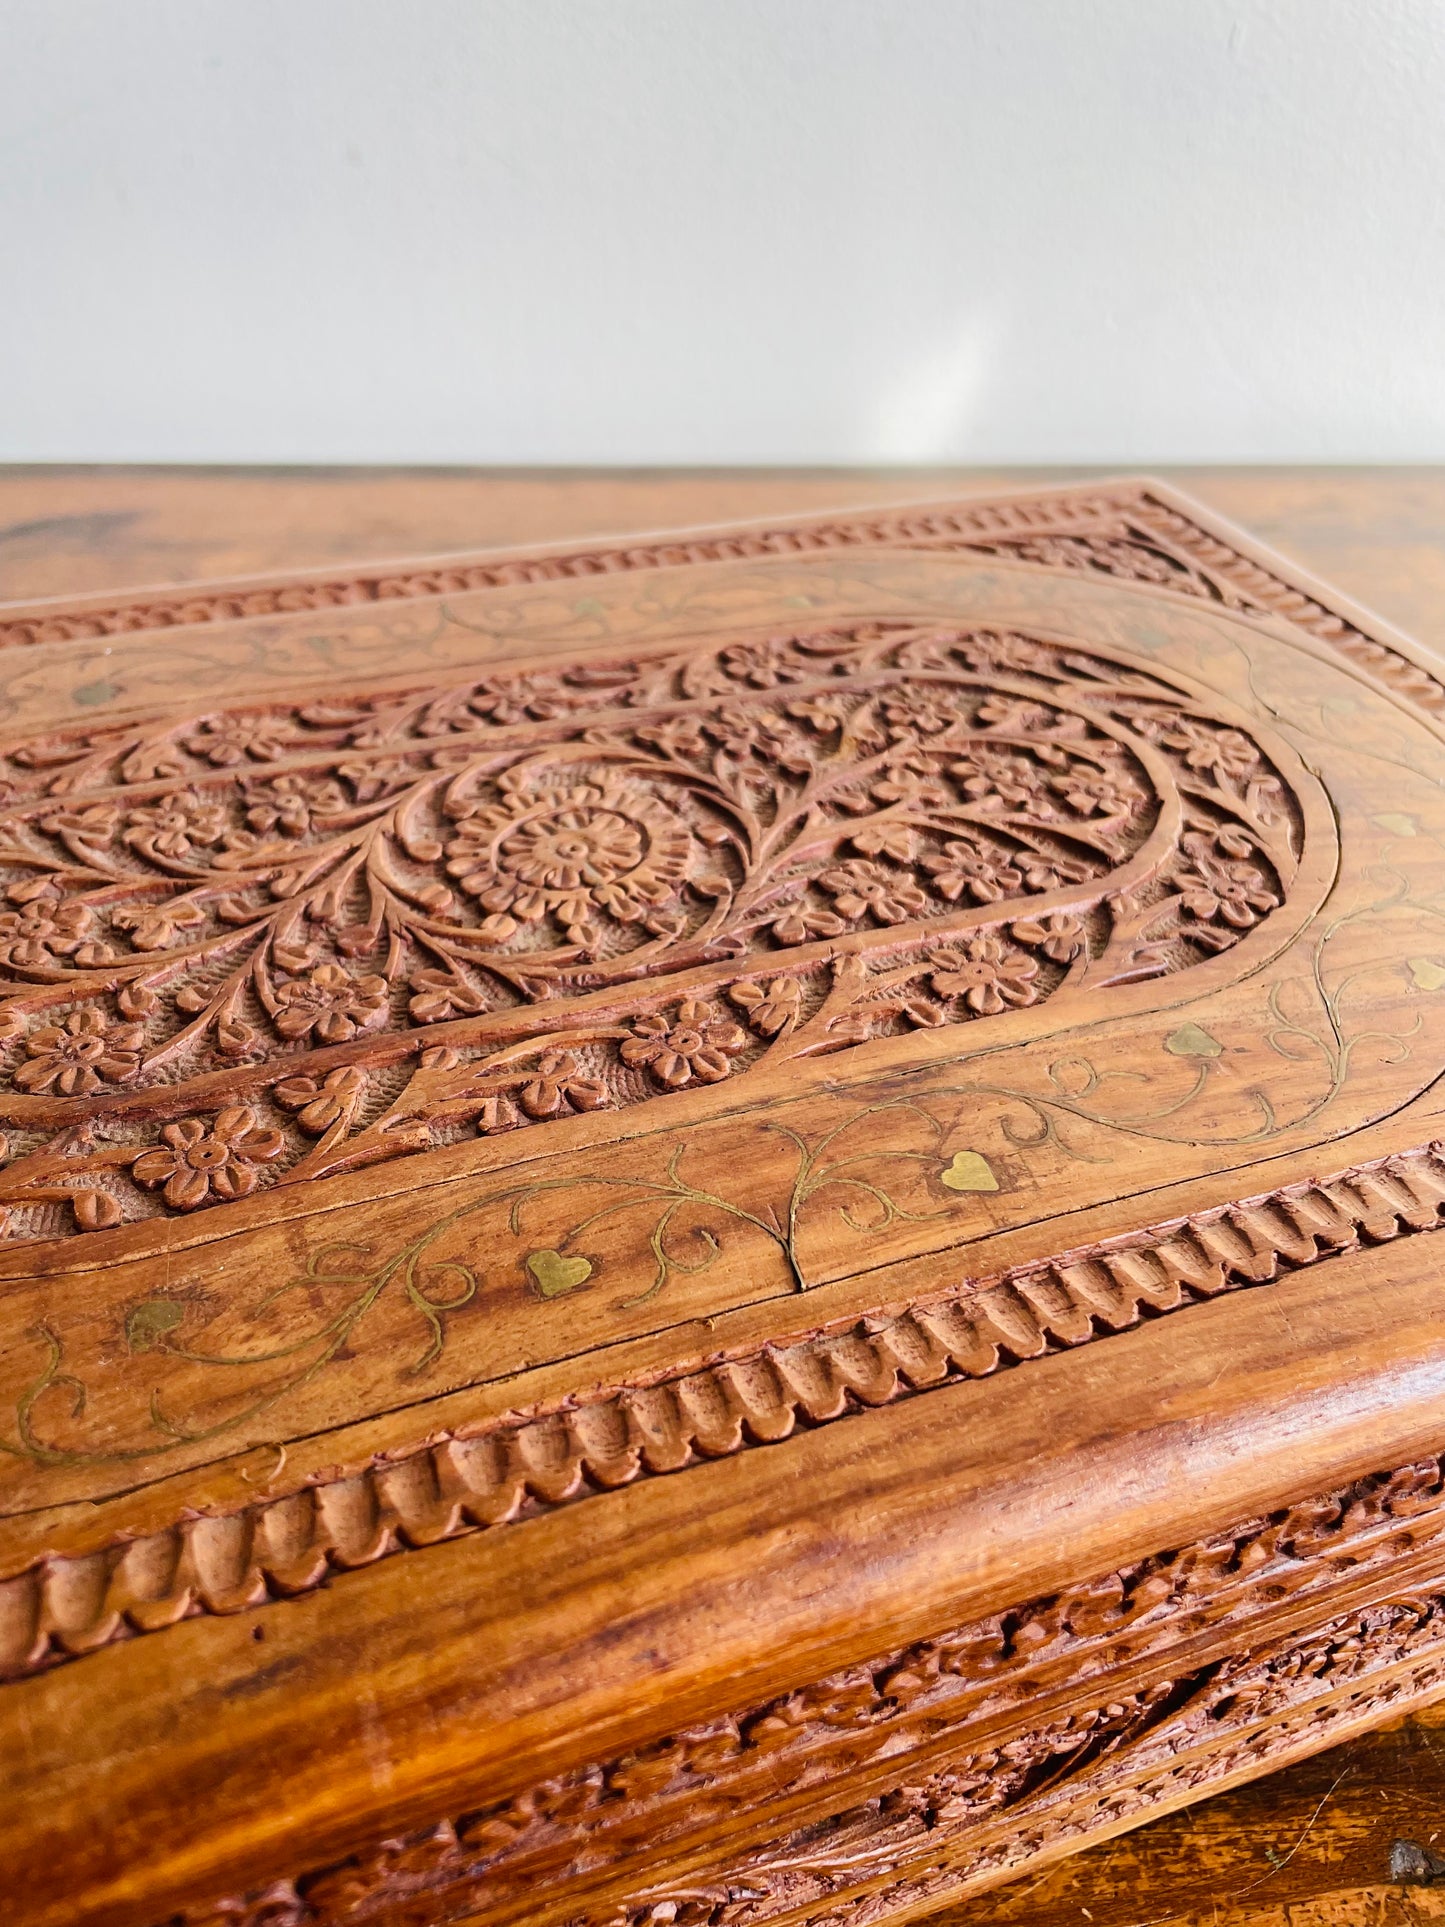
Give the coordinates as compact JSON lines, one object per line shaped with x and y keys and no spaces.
{"x":1310,"y":1846}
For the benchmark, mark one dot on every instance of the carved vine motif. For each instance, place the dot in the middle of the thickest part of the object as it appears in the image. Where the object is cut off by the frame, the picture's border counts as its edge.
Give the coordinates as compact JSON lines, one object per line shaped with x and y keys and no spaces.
{"x":521,"y":1466}
{"x":276,"y":942}
{"x":999,"y":1796}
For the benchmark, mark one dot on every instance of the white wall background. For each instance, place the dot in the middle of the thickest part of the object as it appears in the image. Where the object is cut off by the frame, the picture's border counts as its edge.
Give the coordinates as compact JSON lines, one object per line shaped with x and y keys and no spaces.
{"x":722,"y":230}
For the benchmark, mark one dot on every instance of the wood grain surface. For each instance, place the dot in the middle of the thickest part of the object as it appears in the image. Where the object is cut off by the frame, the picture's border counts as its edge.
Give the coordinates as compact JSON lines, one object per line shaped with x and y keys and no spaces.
{"x":1307,"y":1847}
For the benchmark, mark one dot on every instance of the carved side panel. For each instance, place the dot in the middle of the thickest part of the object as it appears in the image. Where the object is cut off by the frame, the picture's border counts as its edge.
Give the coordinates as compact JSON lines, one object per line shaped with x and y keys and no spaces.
{"x":967,"y":1754}
{"x":987,"y":1817}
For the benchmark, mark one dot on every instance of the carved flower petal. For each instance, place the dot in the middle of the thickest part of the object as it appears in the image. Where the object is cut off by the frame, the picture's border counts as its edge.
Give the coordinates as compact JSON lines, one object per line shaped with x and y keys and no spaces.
{"x":710,"y":1065}
{"x":233,"y":1180}
{"x":294,"y":1092}
{"x":586,"y":1093}
{"x":118,"y":1065}
{"x":186,"y":1189}
{"x":95,"y":1210}
{"x":672,"y":1069}
{"x":295,"y":1022}
{"x":1200,"y":903}
{"x":541,"y":1098}
{"x":152,"y":1168}
{"x":78,"y":1080}
{"x":39,"y":1074}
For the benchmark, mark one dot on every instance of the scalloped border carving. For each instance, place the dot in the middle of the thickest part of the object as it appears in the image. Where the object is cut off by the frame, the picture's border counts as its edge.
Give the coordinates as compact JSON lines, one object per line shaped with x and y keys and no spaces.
{"x":523,"y":1464}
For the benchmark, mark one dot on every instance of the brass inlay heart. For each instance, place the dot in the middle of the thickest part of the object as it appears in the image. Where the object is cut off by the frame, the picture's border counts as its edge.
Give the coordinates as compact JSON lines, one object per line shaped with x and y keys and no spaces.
{"x":1190,"y":1041}
{"x":555,"y":1274}
{"x":970,"y":1171}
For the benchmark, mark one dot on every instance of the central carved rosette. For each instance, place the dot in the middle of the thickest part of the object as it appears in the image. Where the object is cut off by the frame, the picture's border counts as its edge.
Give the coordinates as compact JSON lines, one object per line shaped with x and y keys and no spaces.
{"x":600,"y":850}
{"x":394,"y":920}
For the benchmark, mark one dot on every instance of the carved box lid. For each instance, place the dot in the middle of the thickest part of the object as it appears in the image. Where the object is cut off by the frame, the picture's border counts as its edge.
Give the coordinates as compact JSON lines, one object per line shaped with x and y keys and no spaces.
{"x":604,"y":1139}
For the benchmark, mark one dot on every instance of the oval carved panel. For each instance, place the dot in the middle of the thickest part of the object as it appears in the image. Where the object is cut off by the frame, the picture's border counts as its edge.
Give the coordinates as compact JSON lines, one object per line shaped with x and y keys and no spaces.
{"x":244,"y":948}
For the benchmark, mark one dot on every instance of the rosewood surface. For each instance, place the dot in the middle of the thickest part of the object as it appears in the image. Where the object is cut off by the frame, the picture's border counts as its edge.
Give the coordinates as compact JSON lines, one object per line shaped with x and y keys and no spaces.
{"x":728,"y":1228}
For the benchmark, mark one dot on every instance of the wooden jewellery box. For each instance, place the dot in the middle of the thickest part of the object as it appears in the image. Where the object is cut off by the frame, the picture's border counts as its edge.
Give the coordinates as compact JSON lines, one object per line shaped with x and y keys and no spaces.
{"x":725,"y":1230}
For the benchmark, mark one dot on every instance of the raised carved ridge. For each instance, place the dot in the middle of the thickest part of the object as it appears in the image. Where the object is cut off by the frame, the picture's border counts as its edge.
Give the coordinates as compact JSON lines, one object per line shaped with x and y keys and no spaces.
{"x":269,"y":943}
{"x":517,"y":1466}
{"x":1124,"y":1710}
{"x":1156,"y":545}
{"x":1269,"y":592}
{"x":345,"y":587}
{"x":1126,"y":533}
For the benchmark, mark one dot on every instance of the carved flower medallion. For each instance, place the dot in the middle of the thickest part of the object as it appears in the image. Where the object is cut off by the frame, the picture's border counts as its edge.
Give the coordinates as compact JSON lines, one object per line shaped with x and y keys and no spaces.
{"x":614,"y":850}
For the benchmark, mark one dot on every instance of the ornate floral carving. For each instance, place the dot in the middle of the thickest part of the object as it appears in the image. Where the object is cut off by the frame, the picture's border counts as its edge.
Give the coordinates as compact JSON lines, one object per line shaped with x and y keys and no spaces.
{"x":575,"y":854}
{"x":331,"y":1003}
{"x":1219,"y":890}
{"x":174,"y":826}
{"x":984,"y":872}
{"x":769,"y":1007}
{"x":40,"y":933}
{"x":900,"y":826}
{"x":693,"y":1043}
{"x":559,"y":1086}
{"x":860,"y":889}
{"x":989,"y":974}
{"x":1058,"y":937}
